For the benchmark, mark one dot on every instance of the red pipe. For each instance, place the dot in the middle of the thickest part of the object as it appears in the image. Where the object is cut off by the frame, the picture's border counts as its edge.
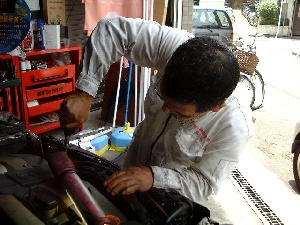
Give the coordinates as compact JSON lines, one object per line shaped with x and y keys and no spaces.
{"x":63,"y":168}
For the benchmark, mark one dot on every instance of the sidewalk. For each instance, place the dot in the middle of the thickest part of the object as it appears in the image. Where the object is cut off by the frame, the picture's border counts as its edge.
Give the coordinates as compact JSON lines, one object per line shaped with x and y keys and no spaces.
{"x":275,"y":122}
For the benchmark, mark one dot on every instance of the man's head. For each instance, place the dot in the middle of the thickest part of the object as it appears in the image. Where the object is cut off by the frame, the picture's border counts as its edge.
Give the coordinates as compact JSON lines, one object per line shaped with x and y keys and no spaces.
{"x":202,"y":72}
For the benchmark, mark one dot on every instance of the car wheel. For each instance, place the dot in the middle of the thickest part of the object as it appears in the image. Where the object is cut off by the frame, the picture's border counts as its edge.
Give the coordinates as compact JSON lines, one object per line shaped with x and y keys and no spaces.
{"x":296,"y":166}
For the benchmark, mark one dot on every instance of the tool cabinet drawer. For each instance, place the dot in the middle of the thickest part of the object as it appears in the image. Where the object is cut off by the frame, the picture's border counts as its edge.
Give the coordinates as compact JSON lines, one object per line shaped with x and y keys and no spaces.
{"x":49,"y":91}
{"x":44,"y":107}
{"x":47,"y":75}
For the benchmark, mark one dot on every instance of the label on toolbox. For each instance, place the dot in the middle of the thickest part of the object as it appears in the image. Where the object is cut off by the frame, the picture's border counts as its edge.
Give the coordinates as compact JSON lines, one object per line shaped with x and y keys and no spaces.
{"x":48,"y":91}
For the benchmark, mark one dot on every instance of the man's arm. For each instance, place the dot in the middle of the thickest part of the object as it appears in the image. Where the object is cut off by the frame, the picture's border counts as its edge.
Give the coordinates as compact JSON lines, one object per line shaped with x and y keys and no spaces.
{"x":145,"y":43}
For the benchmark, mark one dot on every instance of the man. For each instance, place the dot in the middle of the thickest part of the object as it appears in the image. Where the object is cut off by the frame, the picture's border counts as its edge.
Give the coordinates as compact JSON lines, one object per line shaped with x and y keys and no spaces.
{"x":196,"y":125}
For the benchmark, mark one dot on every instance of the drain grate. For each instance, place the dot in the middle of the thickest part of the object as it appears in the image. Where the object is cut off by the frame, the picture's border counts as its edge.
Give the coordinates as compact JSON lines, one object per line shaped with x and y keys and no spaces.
{"x":257,"y":204}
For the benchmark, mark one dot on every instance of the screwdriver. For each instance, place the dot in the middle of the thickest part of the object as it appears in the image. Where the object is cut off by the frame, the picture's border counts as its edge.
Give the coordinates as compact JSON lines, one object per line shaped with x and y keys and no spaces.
{"x":66,"y":143}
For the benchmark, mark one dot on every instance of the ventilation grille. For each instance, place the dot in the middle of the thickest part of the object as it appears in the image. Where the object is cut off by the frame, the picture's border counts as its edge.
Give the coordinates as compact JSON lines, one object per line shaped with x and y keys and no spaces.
{"x":257,"y":204}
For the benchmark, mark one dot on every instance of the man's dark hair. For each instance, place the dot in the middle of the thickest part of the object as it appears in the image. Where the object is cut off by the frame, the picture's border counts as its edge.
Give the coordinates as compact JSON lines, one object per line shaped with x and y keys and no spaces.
{"x":201,"y":71}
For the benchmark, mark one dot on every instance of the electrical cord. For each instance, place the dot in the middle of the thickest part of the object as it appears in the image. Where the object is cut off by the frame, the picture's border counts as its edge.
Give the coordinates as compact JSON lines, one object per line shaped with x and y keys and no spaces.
{"x":157,"y":138}
{"x":70,"y":11}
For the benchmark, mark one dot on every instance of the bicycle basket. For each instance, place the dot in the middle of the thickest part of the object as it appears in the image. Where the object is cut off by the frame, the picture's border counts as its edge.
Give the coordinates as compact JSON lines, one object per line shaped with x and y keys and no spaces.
{"x":247,"y":61}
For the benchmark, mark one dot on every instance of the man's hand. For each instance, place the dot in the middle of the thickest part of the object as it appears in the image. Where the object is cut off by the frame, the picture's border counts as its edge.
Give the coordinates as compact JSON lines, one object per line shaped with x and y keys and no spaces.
{"x":130,"y":180}
{"x":74,"y":110}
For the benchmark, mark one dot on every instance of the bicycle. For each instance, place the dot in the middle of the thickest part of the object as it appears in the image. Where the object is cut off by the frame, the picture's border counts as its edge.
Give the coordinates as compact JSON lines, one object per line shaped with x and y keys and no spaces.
{"x":248,"y":60}
{"x":249,"y":11}
{"x":250,"y":77}
{"x":248,"y":87}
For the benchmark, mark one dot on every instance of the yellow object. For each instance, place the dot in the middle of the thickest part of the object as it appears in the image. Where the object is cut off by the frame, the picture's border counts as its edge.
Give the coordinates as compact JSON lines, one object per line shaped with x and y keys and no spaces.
{"x":117,"y":148}
{"x":101,"y":151}
{"x":121,"y":138}
{"x":127,"y":128}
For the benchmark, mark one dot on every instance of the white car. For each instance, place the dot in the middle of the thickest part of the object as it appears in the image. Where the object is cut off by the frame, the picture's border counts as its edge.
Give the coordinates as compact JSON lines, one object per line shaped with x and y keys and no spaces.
{"x":296,"y":152}
{"x":212,"y":22}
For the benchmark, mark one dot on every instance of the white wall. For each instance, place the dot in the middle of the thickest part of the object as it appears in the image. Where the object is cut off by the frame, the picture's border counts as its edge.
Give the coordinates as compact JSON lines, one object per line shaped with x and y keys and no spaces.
{"x":289,"y":10}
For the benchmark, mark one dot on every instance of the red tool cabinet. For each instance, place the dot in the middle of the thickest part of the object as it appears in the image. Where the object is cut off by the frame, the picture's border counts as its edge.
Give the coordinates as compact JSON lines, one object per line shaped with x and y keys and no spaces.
{"x":44,"y":89}
{"x":10,"y":88}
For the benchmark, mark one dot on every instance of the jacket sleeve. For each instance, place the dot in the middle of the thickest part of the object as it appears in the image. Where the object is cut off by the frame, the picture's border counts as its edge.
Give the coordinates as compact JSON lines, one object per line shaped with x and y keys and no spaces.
{"x":145,"y":43}
{"x":206,"y":175}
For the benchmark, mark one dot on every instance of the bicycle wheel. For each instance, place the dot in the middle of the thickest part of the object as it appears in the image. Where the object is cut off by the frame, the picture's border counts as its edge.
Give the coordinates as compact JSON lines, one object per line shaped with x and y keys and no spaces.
{"x":259,"y":84}
{"x":248,"y":88}
{"x":296,"y":167}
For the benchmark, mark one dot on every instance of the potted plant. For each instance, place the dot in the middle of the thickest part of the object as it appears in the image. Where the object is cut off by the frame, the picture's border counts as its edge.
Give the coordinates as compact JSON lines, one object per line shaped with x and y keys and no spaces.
{"x":268,"y":18}
{"x":268,"y":13}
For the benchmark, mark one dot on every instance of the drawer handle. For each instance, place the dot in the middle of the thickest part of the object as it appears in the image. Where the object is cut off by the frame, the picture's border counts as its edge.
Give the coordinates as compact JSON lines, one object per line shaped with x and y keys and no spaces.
{"x":49,"y":78}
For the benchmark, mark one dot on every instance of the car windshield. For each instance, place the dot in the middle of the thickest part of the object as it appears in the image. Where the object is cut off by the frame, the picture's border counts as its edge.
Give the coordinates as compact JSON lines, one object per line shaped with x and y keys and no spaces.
{"x":210,"y":18}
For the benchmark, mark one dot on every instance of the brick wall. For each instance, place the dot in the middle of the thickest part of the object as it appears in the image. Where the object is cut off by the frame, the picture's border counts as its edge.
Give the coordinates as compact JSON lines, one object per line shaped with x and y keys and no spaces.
{"x":187,"y":15}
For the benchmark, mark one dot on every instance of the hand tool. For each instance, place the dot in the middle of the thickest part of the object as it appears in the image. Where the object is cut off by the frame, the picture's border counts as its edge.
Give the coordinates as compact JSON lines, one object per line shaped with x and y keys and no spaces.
{"x":41,"y":145}
{"x":66,"y":143}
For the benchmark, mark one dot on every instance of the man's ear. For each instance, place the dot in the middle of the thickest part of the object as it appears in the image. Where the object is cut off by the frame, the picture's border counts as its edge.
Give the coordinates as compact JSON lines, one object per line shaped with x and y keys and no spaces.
{"x":216,"y":109}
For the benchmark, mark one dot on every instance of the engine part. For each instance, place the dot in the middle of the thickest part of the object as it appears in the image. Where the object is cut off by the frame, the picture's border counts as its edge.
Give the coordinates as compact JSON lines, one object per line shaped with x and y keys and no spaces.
{"x":58,"y":187}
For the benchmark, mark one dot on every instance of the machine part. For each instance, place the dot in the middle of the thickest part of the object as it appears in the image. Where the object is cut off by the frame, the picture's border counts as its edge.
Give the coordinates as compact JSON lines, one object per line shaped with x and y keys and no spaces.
{"x":12,"y":138}
{"x":65,"y":170}
{"x":29,"y":193}
{"x":72,"y":191}
{"x":15,"y":212}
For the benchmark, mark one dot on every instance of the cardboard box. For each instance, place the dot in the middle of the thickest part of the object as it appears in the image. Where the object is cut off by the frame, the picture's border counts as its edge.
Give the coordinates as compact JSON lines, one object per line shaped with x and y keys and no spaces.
{"x":54,"y":12}
{"x":160,"y":11}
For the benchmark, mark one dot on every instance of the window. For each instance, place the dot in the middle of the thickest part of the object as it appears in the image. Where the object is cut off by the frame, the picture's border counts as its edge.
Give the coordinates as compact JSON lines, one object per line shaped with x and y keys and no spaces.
{"x":211,"y":18}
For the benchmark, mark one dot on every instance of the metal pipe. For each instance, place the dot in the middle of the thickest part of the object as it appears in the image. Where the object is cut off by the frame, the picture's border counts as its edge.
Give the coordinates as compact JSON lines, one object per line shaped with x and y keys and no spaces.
{"x":64,"y":169}
{"x":118,"y":92}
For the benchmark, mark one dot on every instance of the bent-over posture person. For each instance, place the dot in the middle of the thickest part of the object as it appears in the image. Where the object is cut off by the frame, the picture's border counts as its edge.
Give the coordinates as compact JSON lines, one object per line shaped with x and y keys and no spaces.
{"x":196,"y":122}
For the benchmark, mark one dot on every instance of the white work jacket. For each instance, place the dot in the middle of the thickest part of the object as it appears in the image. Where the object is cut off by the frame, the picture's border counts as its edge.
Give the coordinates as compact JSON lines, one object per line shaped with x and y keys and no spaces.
{"x":193,"y":158}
